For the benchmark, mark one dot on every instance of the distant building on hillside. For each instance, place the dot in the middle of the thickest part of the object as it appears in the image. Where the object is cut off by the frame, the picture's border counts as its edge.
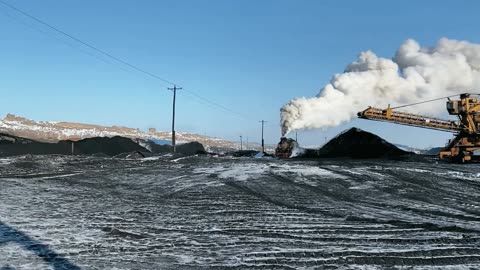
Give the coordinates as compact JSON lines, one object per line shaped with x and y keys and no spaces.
{"x":152,"y":130}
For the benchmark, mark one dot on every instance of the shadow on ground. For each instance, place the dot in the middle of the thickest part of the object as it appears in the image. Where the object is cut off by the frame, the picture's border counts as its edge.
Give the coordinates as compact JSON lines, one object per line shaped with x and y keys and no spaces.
{"x":10,"y":235}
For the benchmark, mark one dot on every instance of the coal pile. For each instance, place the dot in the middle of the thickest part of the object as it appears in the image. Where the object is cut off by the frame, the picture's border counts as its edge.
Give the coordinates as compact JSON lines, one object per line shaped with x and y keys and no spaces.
{"x":190,"y":148}
{"x":109,"y":146}
{"x":12,"y":146}
{"x":116,"y":146}
{"x":356,"y":143}
{"x":9,"y":139}
{"x":309,"y":153}
{"x":245,"y":153}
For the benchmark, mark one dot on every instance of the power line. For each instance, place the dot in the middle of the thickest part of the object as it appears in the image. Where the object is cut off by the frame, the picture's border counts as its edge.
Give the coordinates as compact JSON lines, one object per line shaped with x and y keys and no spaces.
{"x":115,"y":58}
{"x":216,"y":104}
{"x":83,"y":42}
{"x":421,"y":102}
{"x":64,"y":41}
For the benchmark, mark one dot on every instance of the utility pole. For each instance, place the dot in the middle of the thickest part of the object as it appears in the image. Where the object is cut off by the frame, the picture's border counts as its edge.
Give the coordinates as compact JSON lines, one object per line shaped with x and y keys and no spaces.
{"x":296,"y":137}
{"x":247,"y":143}
{"x":241,"y":143}
{"x":263,"y":142}
{"x":174,"y":89}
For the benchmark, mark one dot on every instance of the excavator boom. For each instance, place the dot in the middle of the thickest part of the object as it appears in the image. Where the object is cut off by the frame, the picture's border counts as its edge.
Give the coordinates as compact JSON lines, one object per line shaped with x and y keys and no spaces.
{"x":410,"y":119}
{"x":467,"y":130}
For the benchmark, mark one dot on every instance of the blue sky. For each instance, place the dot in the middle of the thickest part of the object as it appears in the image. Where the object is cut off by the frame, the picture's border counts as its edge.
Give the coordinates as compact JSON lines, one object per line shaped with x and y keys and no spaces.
{"x":250,"y":56}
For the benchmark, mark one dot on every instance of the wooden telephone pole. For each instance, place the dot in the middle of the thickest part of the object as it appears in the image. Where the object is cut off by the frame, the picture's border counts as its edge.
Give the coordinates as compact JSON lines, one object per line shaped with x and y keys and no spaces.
{"x":263,"y":142}
{"x":174,"y":89}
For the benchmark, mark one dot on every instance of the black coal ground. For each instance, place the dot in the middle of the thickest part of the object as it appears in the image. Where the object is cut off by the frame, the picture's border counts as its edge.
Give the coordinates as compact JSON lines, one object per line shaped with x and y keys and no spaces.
{"x":61,"y":212}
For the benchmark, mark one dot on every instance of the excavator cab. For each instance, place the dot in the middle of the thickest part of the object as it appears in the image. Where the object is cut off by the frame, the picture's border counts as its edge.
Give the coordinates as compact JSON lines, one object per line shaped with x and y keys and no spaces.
{"x":453,"y":107}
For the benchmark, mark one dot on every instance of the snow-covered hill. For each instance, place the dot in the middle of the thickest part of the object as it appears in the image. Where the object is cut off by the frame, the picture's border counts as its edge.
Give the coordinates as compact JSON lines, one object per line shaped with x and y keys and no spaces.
{"x":410,"y":149}
{"x":56,"y":131}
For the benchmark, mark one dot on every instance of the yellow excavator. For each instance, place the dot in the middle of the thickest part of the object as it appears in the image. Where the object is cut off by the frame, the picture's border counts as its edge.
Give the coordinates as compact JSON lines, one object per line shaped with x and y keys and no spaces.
{"x":466,"y":128}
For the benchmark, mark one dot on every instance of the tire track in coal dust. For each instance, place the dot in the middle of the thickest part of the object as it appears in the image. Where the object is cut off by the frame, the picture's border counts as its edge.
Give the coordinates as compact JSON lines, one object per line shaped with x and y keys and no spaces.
{"x":436,"y":252}
{"x":224,"y":213}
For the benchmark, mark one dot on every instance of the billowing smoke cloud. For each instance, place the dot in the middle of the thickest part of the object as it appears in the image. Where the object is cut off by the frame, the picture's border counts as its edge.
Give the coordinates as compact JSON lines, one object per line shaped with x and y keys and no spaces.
{"x":415,"y":74}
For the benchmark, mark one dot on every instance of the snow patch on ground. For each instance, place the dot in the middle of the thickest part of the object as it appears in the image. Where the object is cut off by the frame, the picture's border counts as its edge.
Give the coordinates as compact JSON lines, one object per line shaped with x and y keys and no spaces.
{"x":297,"y":151}
{"x":58,"y":176}
{"x":152,"y":158}
{"x":259,"y":155}
{"x":246,"y":171}
{"x":306,"y":171}
{"x":5,"y":161}
{"x":367,"y":185}
{"x":475,"y":176}
{"x":461,"y":175}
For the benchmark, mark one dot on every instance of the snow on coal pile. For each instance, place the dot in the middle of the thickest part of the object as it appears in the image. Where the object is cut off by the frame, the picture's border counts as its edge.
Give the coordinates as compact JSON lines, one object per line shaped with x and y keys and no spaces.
{"x":356,"y":143}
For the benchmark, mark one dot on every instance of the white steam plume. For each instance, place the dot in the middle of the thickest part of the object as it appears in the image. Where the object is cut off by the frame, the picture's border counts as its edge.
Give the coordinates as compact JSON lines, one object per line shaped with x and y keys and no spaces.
{"x":415,"y":74}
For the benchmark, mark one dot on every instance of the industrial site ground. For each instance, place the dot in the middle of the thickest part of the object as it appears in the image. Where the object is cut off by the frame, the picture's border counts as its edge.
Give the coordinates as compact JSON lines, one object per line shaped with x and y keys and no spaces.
{"x":207,"y":212}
